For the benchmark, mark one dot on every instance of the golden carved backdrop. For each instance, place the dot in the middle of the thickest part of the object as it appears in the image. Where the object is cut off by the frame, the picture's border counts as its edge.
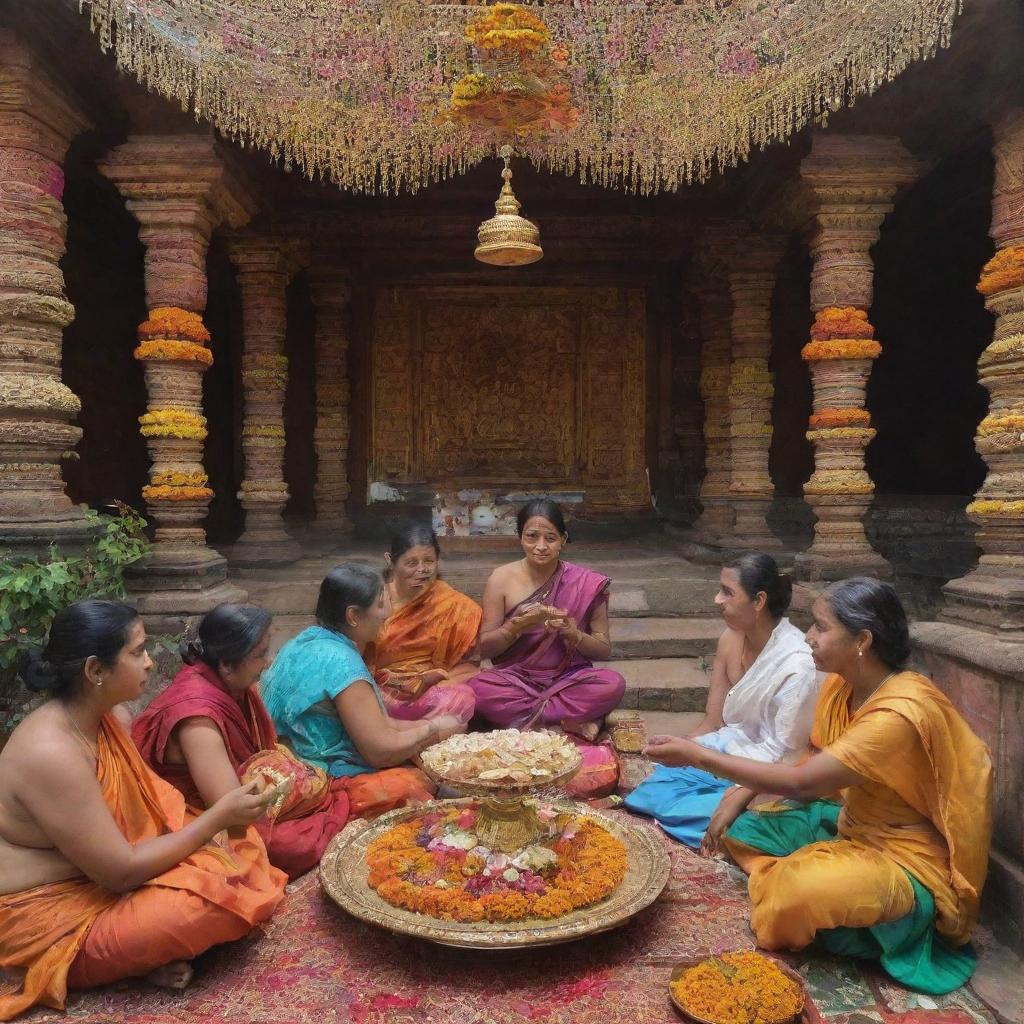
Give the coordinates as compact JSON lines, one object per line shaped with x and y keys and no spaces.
{"x":511,"y":389}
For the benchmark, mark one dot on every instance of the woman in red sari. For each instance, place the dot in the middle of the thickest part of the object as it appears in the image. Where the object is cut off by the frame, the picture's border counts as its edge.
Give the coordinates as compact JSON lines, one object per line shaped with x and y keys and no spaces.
{"x":210,"y":728}
{"x":427,"y":647}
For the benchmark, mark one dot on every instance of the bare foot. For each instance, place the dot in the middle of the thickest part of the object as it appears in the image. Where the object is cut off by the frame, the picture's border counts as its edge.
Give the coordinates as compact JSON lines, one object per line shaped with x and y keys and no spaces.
{"x":176,"y":975}
{"x":588,"y":730}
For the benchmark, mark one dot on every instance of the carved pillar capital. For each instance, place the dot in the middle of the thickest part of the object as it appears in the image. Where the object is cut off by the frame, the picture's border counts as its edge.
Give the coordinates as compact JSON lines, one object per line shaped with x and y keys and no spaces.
{"x":849,"y":182}
{"x":37,"y":123}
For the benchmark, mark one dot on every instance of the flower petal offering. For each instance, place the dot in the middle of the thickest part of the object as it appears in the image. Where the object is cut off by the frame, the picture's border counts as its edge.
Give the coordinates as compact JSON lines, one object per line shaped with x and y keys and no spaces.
{"x":503,"y":757}
{"x":737,"y":988}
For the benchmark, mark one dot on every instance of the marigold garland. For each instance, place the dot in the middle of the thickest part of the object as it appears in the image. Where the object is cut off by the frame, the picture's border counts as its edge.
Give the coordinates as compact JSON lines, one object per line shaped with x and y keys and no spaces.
{"x":995,"y":423}
{"x":411,"y":867}
{"x":826,"y":418}
{"x":263,"y":430}
{"x":165,"y":493}
{"x":837,"y":433}
{"x":841,"y":322}
{"x":177,"y":423}
{"x":508,"y":27}
{"x":183,"y":351}
{"x":839,"y":481}
{"x":175,"y":478}
{"x":992,"y":507}
{"x":172,"y":322}
{"x":1004,"y":270}
{"x":845,"y":348}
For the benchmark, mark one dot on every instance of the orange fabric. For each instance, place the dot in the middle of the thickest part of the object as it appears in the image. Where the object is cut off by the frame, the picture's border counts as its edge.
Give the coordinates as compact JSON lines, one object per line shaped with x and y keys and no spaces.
{"x":374,"y":793}
{"x":217,"y":893}
{"x":927,"y":801}
{"x":437,"y":630}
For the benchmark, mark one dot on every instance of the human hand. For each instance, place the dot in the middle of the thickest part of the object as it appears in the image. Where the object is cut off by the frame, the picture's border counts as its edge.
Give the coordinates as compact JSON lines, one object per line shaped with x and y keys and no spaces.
{"x":724,"y":816}
{"x":448,"y":725}
{"x":672,"y":751}
{"x":242,"y":806}
{"x":530,"y":615}
{"x":432,"y":676}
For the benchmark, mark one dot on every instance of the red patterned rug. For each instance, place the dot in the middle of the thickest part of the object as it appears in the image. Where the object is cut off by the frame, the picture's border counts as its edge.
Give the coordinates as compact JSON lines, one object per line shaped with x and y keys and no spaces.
{"x":315,"y":965}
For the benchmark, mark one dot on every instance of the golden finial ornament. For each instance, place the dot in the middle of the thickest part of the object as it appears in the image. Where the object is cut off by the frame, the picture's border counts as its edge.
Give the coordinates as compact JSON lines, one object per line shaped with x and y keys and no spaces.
{"x":508,"y":240}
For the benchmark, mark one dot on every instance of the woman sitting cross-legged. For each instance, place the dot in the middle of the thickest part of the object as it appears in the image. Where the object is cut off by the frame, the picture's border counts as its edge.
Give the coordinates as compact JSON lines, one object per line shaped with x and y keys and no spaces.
{"x":760,"y":705}
{"x":210,"y":728}
{"x":545,"y":623}
{"x":104,"y":873}
{"x":894,"y":870}
{"x":328,"y":709}
{"x":426,"y":649}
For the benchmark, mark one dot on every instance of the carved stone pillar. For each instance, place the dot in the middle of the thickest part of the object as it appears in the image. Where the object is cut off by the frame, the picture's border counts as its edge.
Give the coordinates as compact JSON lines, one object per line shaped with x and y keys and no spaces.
{"x":265,"y":265}
{"x":715,"y":524}
{"x":37,"y":124}
{"x":851,"y":182}
{"x":178,"y":188}
{"x":992,"y":596}
{"x":751,"y":280}
{"x":331,"y":292}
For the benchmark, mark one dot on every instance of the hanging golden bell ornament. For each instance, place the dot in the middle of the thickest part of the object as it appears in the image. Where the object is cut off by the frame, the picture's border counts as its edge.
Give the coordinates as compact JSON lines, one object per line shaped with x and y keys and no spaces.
{"x":508,"y":240}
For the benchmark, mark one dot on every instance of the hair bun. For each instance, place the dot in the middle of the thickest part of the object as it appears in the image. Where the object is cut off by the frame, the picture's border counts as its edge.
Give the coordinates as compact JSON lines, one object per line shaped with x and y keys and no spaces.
{"x":38,"y":674}
{"x":191,"y":650}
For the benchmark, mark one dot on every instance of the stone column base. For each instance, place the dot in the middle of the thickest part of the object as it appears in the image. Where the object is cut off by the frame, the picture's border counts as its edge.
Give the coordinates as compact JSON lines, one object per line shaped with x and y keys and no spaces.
{"x":751,"y":531}
{"x":989,"y":600}
{"x":827,"y":567}
{"x":21,"y":539}
{"x":264,"y":545}
{"x":168,"y":594}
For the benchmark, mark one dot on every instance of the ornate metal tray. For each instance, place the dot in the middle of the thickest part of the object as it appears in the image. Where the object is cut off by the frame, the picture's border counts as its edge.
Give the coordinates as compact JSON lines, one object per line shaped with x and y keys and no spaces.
{"x":343,"y":874}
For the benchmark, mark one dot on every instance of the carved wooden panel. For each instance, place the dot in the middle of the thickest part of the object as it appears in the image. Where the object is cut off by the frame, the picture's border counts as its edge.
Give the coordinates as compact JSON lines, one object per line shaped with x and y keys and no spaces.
{"x":516,"y":386}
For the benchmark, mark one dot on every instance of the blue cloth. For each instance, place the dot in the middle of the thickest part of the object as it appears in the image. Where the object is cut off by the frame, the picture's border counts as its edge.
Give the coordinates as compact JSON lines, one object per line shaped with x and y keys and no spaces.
{"x":299,"y":691}
{"x":681,"y":800}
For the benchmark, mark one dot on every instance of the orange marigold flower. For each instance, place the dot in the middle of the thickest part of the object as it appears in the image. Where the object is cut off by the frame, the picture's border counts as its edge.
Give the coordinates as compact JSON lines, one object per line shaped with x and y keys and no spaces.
{"x":1004,"y":270}
{"x":825,"y":418}
{"x":172,"y":322}
{"x":845,"y":348}
{"x":841,"y":322}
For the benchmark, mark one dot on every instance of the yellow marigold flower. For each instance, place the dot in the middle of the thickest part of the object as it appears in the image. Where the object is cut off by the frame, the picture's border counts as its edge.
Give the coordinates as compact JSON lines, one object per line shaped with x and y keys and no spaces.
{"x":162,"y":493}
{"x":184,"y":351}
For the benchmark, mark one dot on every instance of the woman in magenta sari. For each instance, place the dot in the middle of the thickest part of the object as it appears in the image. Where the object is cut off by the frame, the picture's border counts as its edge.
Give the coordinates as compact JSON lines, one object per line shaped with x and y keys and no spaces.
{"x":545,"y":623}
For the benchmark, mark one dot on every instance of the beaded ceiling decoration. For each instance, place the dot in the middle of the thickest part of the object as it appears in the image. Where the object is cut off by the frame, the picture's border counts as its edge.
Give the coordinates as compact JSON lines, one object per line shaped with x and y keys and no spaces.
{"x":390,"y":95}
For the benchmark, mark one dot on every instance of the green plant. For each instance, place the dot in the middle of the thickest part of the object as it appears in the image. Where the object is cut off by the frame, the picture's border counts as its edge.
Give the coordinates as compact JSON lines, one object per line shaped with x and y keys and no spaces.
{"x":33,"y":591}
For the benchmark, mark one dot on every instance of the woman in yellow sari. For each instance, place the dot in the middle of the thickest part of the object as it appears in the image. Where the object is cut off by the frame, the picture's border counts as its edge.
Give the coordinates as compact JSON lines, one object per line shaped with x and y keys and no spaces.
{"x":426,"y":649}
{"x":894,"y":869}
{"x":104,"y":874}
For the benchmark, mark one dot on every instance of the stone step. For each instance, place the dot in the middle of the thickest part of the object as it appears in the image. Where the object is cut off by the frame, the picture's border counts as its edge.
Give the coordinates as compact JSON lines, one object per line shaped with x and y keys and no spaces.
{"x":664,"y":684}
{"x":658,"y":637}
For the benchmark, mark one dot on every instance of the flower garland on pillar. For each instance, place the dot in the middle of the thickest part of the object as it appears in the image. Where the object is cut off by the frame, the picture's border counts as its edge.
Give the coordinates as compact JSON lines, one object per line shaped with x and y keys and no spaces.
{"x":174,"y":350}
{"x":840,"y":354}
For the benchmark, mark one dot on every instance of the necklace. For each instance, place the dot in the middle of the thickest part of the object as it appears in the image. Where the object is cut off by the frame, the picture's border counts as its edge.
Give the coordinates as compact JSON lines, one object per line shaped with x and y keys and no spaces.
{"x":875,"y":690}
{"x":93,"y":749}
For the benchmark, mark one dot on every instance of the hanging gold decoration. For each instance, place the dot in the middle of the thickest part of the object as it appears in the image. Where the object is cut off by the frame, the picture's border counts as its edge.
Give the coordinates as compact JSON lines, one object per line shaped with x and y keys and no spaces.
{"x":507,"y":239}
{"x":391,"y":95}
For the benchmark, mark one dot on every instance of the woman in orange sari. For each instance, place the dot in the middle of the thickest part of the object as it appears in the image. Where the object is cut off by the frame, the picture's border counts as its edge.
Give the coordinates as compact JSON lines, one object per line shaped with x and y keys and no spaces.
{"x":209,"y":729}
{"x":426,"y":650}
{"x":893,"y":870}
{"x":104,"y":874}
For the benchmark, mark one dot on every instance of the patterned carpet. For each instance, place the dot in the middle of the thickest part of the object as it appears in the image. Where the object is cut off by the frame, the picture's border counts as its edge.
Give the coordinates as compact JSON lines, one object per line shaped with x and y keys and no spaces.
{"x":315,"y":965}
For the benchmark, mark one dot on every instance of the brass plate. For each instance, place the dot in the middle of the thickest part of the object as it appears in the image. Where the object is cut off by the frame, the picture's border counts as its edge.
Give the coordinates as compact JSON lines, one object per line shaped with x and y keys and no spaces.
{"x":685,"y":965}
{"x":499,"y":790}
{"x":343,"y":874}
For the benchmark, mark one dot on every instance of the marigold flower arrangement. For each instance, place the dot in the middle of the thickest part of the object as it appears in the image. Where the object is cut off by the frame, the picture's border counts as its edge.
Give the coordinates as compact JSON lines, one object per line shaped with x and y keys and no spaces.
{"x":841,"y":322}
{"x":172,"y":322}
{"x":508,"y":27}
{"x":434,"y":865}
{"x":182,"y":351}
{"x":845,"y":348}
{"x":996,"y":423}
{"x":1004,"y":270}
{"x":178,"y":423}
{"x":167,"y":493}
{"x":992,"y":507}
{"x":738,"y":988}
{"x":827,"y":418}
